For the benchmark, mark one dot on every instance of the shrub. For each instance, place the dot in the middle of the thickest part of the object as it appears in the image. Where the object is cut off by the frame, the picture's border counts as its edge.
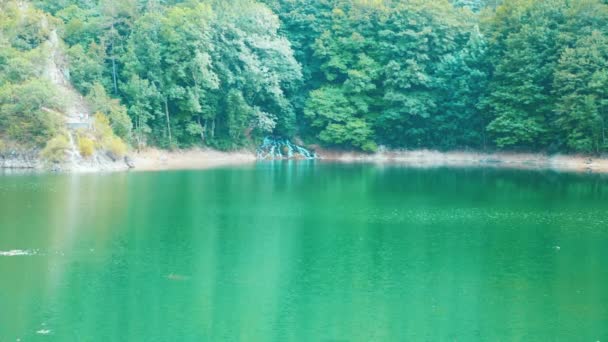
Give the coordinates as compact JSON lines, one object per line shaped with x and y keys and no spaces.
{"x":55,"y":150}
{"x":370,"y":147}
{"x":27,"y":114}
{"x":118,"y":119}
{"x":86,"y":146}
{"x":116,"y":147}
{"x":102,"y":127}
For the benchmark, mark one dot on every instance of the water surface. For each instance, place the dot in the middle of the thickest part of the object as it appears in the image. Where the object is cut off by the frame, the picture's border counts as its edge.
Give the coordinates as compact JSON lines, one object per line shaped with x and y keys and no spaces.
{"x":304,"y":252}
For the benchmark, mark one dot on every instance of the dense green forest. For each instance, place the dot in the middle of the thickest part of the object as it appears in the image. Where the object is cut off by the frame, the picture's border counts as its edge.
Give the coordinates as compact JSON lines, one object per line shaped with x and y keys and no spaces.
{"x":528,"y":75}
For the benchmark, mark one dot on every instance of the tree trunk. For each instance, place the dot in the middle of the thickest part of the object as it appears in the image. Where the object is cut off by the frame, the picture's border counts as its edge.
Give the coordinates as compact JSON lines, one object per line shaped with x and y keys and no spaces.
{"x":137,"y":133}
{"x":205,"y":127}
{"x":168,"y":121}
{"x":115,"y":83}
{"x":213,"y":128}
{"x":140,"y":138}
{"x":114,"y":71}
{"x":603,"y":132}
{"x":202,"y":129}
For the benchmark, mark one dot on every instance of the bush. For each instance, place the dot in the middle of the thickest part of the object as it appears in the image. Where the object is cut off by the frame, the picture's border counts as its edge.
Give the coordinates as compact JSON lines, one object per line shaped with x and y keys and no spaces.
{"x":118,"y":119}
{"x":86,"y":146}
{"x":369,"y":147}
{"x":107,"y":140}
{"x":102,"y":127}
{"x":22,"y":117}
{"x":55,"y":150}
{"x":116,"y":147}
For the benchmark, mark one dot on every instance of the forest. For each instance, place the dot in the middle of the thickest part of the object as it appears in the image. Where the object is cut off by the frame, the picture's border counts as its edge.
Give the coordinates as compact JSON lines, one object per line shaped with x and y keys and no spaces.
{"x":516,"y":75}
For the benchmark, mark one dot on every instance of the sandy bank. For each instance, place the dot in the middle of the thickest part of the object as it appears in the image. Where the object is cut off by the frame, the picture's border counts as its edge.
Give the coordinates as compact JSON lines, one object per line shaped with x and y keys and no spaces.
{"x":154,"y":159}
{"x":429,"y":158}
{"x":193,"y":159}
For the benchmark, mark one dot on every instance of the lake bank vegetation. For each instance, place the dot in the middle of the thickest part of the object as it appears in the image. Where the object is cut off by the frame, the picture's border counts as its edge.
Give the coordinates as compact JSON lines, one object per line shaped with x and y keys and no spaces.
{"x":361,"y":75}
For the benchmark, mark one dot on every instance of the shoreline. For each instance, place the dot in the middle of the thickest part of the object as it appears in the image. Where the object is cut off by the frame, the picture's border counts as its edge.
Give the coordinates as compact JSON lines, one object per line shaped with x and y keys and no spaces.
{"x":191,"y":159}
{"x":159,"y":160}
{"x":199,"y":159}
{"x":506,"y":160}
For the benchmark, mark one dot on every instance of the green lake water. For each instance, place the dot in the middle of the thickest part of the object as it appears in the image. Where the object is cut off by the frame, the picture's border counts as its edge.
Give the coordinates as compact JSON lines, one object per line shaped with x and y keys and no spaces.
{"x":304,"y":251}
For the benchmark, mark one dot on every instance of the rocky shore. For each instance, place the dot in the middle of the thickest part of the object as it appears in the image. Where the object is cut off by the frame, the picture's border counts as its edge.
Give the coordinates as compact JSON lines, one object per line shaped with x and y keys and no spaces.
{"x":20,"y":159}
{"x":192,"y":159}
{"x":147,"y":160}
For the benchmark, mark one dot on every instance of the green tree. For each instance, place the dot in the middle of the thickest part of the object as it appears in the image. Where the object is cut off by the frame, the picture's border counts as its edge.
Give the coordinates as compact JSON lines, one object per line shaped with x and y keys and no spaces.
{"x":29,"y":112}
{"x":581,"y":83}
{"x":100,"y":102}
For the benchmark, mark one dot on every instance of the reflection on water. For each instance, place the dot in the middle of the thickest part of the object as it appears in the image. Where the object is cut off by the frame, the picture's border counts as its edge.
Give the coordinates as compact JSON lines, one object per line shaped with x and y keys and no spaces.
{"x":304,"y":251}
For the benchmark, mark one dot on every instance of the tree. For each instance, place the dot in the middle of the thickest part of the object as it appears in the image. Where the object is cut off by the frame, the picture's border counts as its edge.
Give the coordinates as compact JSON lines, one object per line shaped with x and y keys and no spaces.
{"x":330,"y":110}
{"x":100,"y":102}
{"x":581,"y":83}
{"x":255,"y":65}
{"x":462,"y":77}
{"x":527,"y":39}
{"x":221,"y":71}
{"x":385,"y":59}
{"x":29,"y":112}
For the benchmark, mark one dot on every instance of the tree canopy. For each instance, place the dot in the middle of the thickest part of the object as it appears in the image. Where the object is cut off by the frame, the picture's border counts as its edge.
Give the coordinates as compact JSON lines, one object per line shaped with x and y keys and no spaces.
{"x":354,"y":74}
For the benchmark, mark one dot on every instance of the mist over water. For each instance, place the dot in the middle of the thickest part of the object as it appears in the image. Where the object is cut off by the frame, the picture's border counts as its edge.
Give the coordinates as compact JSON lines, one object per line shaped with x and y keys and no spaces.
{"x":304,"y":251}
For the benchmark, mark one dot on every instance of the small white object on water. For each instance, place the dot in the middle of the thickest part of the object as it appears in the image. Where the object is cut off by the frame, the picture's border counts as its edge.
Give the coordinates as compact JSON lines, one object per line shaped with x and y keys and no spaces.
{"x":177,"y":277}
{"x":43,"y":332}
{"x":16,"y":252}
{"x":557,"y":248}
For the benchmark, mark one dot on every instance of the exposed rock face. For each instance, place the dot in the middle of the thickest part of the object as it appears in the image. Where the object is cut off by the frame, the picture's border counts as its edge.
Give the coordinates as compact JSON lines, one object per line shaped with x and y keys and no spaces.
{"x":77,"y":112}
{"x":30,"y":160}
{"x":20,"y":160}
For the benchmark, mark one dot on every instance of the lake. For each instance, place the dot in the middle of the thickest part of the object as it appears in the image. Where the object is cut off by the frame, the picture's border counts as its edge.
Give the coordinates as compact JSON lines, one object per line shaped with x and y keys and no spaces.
{"x":304,"y":251}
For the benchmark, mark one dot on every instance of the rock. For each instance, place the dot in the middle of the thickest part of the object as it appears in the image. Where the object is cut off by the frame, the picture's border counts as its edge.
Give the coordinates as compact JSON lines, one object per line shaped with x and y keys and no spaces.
{"x":129,"y":162}
{"x":111,"y":156}
{"x":18,"y":161}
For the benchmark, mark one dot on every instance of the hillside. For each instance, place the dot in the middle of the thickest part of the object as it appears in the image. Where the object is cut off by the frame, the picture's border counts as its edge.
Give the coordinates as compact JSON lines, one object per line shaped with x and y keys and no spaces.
{"x":44,"y":118}
{"x":99,"y":77}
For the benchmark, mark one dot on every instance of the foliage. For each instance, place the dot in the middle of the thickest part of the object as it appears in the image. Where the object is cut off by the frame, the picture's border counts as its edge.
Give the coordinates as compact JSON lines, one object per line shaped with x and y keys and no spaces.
{"x":581,"y":84}
{"x":512,"y":74}
{"x":55,"y":149}
{"x":101,"y":126}
{"x":24,"y":28}
{"x":86,"y":146}
{"x":29,"y":107}
{"x":389,"y":66}
{"x":530,"y":43}
{"x":105,"y":137}
{"x":209,"y":71}
{"x":100,"y":102}
{"x":85,"y":69}
{"x":115,"y":147}
{"x":26,"y":112}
